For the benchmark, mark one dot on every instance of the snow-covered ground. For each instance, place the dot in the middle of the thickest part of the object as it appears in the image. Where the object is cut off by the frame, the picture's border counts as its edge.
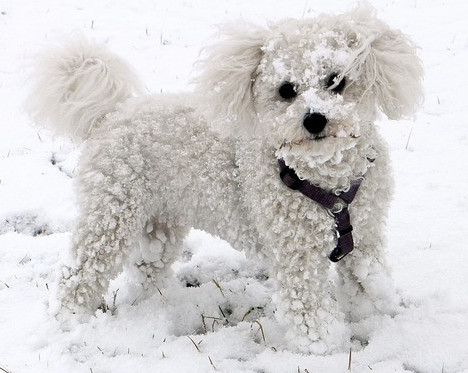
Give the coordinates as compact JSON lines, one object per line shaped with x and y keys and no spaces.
{"x":426,"y":232}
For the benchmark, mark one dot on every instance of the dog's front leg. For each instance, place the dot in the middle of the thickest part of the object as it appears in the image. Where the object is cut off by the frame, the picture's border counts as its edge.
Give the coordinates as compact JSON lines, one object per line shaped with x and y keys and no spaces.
{"x":305,"y":304}
{"x":365,"y":287}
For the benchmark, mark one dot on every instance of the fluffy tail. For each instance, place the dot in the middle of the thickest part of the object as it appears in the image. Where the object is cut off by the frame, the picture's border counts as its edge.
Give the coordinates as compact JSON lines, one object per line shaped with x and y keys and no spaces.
{"x":77,"y":85}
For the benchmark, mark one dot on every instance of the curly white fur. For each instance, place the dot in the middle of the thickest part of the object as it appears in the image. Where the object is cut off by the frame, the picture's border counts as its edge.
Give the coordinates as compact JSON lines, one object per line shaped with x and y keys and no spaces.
{"x":154,"y":167}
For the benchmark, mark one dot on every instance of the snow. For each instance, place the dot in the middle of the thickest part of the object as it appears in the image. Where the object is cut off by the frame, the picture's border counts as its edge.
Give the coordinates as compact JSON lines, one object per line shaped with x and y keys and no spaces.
{"x":426,"y":230}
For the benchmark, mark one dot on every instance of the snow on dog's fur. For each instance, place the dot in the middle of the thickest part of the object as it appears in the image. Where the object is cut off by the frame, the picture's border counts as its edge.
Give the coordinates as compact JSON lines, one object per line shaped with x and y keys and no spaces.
{"x":155,"y":166}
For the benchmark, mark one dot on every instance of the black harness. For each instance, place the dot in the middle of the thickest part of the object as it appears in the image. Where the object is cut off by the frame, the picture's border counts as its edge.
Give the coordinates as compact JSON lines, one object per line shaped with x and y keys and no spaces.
{"x":336,"y":204}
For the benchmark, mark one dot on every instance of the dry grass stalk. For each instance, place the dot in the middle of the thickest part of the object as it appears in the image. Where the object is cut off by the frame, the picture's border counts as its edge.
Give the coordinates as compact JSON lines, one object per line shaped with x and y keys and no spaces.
{"x":215,"y":321}
{"x":247,"y":314}
{"x":159,"y":291}
{"x":409,"y":138}
{"x":260,"y":329}
{"x":203,"y":322}
{"x":350,"y":359}
{"x":218,"y":286}
{"x":114,"y":299}
{"x":222,"y":313}
{"x":4,"y":369}
{"x":211,"y":362}
{"x":195,"y":344}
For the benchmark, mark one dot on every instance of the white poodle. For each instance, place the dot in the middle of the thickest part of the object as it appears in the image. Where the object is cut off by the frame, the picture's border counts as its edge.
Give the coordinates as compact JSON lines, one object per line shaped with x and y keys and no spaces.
{"x":268,"y":155}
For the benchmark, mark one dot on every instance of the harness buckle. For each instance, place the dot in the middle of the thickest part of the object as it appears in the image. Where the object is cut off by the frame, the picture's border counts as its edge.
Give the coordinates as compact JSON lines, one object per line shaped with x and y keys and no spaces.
{"x":338,"y":207}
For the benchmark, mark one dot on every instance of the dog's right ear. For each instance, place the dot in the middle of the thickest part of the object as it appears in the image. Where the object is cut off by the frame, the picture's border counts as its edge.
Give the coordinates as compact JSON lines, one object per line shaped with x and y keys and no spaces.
{"x":392,"y":68}
{"x":224,"y":85}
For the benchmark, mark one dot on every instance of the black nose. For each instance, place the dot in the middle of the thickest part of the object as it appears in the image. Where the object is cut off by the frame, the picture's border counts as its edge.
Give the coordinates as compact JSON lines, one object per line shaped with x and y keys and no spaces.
{"x":314,"y":122}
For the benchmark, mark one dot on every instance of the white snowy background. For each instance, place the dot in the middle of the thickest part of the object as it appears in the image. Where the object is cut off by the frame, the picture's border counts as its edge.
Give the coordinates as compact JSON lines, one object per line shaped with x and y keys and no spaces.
{"x":427,"y":229}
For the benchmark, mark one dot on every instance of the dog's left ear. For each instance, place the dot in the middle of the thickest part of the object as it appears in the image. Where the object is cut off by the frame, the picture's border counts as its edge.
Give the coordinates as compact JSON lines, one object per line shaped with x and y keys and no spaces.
{"x":396,"y":74}
{"x":224,"y":85}
{"x":391,"y":67}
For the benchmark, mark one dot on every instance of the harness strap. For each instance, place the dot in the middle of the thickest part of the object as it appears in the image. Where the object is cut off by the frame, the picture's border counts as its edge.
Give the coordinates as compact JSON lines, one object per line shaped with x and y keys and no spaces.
{"x":337,"y":205}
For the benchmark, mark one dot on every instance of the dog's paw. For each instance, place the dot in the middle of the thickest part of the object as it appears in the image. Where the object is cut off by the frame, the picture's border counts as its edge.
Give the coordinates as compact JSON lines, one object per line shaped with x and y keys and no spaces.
{"x":69,"y":317}
{"x":327,"y":338}
{"x":66,"y":312}
{"x":305,"y":346}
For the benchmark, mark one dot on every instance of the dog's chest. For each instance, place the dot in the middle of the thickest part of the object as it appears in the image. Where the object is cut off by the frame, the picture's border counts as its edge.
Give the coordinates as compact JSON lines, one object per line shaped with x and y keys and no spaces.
{"x":282,"y":217}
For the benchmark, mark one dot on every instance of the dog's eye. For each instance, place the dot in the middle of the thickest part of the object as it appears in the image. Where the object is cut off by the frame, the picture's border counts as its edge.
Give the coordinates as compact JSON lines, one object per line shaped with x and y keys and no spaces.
{"x":331,"y":80}
{"x":287,"y":91}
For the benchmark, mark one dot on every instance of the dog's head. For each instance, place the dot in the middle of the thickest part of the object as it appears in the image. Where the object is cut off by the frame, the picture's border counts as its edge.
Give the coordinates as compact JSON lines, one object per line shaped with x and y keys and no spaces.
{"x":311,"y":86}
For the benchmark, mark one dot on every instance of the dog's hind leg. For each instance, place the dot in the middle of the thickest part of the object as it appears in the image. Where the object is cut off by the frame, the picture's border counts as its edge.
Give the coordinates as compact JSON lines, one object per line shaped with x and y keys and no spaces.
{"x":114,"y":204}
{"x":158,"y":247}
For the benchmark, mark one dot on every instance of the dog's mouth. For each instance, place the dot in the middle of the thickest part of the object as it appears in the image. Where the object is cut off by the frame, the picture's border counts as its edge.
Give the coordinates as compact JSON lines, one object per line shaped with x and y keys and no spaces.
{"x":318,"y":138}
